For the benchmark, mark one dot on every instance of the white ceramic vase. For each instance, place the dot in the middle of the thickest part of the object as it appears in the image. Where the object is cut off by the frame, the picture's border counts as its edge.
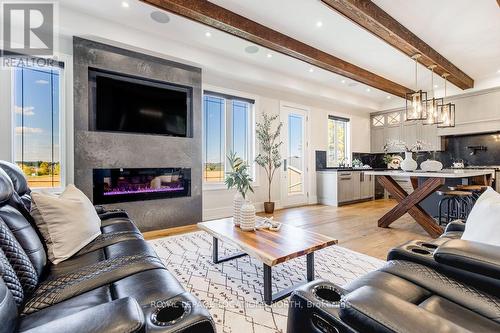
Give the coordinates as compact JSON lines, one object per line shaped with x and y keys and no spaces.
{"x":238,"y":201}
{"x":431,"y":166}
{"x":409,"y":164}
{"x":247,"y":216}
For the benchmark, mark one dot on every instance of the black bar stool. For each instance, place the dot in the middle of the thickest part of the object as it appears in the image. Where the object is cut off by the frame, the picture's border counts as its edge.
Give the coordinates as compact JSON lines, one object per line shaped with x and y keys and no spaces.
{"x":458,"y":205}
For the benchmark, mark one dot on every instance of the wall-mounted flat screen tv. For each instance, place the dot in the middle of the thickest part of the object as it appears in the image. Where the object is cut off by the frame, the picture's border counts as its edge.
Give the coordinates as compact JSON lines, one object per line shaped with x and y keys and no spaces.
{"x":136,"y":105}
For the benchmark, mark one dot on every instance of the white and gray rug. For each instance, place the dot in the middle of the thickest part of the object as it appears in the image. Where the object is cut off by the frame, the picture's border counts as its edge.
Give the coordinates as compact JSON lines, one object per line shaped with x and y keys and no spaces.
{"x":233,"y":290}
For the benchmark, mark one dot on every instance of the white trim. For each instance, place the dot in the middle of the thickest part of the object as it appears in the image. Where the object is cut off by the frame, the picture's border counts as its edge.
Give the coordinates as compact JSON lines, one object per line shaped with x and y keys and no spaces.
{"x":66,"y":155}
{"x":212,"y":186}
{"x":227,"y":211}
{"x":6,"y":126}
{"x":308,"y":158}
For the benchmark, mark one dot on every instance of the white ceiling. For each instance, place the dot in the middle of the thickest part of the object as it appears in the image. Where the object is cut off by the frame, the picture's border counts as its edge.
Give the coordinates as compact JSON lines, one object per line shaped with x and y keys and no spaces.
{"x":466,"y":32}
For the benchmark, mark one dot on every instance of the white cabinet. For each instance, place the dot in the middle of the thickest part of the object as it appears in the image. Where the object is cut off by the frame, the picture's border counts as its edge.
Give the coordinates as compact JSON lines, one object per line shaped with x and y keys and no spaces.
{"x":377,"y":139}
{"x":391,"y":126}
{"x":411,"y":132}
{"x":340,"y":187}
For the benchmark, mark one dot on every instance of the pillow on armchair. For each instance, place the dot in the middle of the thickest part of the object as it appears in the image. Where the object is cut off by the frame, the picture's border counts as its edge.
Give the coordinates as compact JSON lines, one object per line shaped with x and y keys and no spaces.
{"x":67,"y":222}
{"x":483,"y":223}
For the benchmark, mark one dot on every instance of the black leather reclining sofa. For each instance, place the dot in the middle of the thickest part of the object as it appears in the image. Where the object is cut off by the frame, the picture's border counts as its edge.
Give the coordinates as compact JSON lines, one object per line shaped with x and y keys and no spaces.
{"x":117,"y":283}
{"x":446,"y":285}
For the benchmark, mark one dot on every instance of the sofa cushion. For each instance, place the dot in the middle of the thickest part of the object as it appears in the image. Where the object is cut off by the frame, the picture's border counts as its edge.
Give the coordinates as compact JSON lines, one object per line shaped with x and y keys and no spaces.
{"x":483,"y":224}
{"x":67,"y":223}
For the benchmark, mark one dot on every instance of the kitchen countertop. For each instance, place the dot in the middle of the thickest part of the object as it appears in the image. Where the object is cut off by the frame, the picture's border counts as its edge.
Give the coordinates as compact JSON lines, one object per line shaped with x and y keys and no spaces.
{"x":446,"y":173}
{"x":335,"y":169}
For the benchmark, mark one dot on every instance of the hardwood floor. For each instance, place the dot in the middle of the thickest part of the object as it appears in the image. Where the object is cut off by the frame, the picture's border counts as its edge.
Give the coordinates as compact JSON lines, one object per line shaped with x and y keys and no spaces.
{"x":355,"y":226}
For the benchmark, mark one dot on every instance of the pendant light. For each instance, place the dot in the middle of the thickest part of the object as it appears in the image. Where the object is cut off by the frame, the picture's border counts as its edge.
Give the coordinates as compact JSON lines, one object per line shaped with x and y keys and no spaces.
{"x":434,"y":104}
{"x":446,"y":111}
{"x":416,"y":105}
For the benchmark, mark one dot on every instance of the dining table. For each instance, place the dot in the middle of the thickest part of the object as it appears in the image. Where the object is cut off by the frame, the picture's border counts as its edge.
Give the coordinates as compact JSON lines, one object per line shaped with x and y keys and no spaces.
{"x":424,"y":184}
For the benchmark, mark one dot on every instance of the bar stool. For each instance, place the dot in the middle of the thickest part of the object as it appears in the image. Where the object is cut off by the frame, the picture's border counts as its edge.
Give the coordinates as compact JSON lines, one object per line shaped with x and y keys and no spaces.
{"x":476,"y":190}
{"x":458,"y":205}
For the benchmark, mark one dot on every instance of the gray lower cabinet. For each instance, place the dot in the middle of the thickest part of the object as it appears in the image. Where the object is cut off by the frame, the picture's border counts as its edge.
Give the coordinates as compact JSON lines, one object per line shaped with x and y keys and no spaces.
{"x":338,"y":187}
{"x":367,"y":186}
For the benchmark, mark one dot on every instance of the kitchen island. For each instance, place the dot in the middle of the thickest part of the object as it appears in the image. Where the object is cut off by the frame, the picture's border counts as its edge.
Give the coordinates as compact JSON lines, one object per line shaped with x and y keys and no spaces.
{"x":424,"y":185}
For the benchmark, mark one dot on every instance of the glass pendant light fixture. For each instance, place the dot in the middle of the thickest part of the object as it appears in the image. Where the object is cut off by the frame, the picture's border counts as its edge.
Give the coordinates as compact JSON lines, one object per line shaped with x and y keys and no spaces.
{"x":416,"y":102}
{"x":434,"y":104}
{"x":446,"y":111}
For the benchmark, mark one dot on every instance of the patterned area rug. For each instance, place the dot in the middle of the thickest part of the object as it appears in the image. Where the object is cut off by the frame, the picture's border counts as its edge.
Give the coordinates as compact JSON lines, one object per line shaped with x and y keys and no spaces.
{"x":233,"y":290}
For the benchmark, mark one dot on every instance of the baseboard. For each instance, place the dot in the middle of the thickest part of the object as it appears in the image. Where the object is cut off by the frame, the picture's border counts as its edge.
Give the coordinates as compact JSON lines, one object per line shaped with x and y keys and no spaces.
{"x":222,"y":212}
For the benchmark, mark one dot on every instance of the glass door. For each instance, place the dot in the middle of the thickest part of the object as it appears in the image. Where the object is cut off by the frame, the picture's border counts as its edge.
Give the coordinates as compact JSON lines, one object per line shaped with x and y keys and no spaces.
{"x":294,"y":170}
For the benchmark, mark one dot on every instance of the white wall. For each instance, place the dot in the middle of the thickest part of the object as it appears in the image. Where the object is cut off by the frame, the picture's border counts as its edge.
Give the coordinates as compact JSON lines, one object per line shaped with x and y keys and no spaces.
{"x":217,"y":203}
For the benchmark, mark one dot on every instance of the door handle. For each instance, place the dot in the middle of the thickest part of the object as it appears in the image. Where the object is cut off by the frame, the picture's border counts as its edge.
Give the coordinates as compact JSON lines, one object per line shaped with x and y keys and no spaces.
{"x":285,"y":167}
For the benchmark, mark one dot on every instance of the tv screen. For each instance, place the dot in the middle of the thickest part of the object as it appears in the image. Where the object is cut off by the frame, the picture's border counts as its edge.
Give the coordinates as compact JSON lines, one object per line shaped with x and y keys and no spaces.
{"x":132,"y":105}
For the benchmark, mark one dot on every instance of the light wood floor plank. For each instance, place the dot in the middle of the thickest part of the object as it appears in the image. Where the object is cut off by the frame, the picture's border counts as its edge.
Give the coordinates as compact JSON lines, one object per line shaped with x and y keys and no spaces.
{"x":355,"y":226}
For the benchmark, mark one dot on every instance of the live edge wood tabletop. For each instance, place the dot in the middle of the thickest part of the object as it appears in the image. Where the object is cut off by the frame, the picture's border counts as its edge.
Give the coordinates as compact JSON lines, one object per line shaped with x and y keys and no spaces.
{"x":270,"y":247}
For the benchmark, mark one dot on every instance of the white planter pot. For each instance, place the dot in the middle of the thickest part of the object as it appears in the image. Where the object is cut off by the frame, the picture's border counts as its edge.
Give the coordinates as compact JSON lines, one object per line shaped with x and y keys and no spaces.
{"x":238,"y":201}
{"x":431,"y":166}
{"x":409,"y":164}
{"x":247,"y":216}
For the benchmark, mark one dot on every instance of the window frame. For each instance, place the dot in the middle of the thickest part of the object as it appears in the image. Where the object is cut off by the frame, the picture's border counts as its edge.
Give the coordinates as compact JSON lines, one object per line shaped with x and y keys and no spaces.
{"x":64,"y":102}
{"x":347,"y":139}
{"x":229,"y":96}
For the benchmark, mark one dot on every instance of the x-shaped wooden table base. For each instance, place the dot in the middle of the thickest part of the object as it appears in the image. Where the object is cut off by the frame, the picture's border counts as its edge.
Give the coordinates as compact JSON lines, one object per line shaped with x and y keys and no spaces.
{"x":409,"y":203}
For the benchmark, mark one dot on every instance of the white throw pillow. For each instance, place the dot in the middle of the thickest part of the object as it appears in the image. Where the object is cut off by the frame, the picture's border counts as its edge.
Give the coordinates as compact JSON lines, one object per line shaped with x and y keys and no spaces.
{"x":67,"y":222}
{"x":483,"y":224}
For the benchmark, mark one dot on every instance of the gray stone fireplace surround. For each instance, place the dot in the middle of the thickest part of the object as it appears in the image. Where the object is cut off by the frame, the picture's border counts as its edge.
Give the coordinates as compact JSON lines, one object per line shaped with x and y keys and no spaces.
{"x":121,"y":150}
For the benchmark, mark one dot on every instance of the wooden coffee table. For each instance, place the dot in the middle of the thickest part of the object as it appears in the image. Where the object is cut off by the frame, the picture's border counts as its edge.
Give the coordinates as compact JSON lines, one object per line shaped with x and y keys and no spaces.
{"x":269,"y":247}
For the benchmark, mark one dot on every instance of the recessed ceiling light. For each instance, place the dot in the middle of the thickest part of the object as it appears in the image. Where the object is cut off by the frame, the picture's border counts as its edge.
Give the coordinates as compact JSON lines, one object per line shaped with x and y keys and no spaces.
{"x":436,"y":86}
{"x":269,"y":55}
{"x":319,"y":24}
{"x":389,"y":97}
{"x":343,"y":81}
{"x":311,"y":70}
{"x":252,"y":49}
{"x":208,"y":34}
{"x":160,"y":17}
{"x":498,"y":71}
{"x":368,"y":90}
{"x":125,"y":4}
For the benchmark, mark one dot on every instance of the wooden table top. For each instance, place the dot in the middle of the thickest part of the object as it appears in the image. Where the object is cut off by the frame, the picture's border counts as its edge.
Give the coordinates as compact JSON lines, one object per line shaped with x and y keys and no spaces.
{"x":270,"y":247}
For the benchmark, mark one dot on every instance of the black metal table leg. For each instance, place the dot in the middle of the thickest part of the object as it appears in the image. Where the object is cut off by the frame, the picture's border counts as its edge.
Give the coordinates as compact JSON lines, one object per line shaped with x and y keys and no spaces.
{"x":269,"y":297}
{"x":215,"y":253}
{"x":268,"y":285}
{"x":310,"y":266}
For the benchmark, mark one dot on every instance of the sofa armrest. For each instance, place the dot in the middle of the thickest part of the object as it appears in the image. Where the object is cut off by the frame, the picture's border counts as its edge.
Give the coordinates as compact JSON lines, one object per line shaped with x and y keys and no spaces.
{"x":369,"y":309}
{"x":457,"y":225}
{"x":471,"y":256}
{"x":121,"y":315}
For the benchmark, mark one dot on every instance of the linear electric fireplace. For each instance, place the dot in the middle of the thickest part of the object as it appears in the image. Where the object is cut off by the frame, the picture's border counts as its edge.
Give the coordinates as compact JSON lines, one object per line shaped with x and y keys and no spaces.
{"x":121,"y":185}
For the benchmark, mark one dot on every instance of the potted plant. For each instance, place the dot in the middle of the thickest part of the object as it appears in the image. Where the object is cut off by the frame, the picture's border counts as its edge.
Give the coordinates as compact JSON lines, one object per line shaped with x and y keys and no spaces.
{"x":269,"y":158}
{"x":240,"y":179}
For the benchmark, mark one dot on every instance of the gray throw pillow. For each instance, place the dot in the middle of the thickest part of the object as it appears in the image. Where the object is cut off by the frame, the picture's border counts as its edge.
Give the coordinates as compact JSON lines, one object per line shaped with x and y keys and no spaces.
{"x":67,"y":222}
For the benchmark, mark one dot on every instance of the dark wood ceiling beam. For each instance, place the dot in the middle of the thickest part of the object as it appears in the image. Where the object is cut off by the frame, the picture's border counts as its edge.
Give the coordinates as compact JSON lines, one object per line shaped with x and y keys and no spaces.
{"x":217,"y":17}
{"x":375,"y":20}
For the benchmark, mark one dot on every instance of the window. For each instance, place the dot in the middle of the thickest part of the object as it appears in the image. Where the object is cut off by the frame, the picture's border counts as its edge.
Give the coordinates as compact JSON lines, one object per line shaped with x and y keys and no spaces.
{"x":394,"y":118}
{"x":36,"y":114}
{"x":378,"y":121}
{"x":338,"y":143}
{"x":228,"y":126}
